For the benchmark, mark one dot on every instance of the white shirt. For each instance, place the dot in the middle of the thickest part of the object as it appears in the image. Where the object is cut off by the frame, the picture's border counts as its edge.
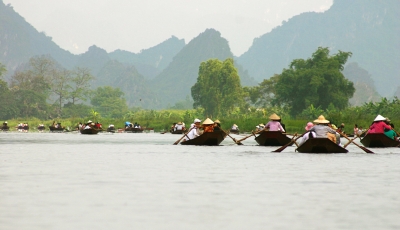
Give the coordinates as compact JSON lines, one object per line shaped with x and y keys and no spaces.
{"x":192,"y":134}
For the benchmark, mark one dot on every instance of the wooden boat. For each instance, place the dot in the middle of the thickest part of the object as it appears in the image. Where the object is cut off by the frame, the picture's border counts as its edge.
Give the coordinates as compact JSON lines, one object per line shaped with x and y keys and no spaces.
{"x":133,"y":130}
{"x":272,"y":138}
{"x":90,"y":131}
{"x":209,"y":138}
{"x":234,"y":131}
{"x":378,"y":140}
{"x":54,"y":129}
{"x":111,"y":129}
{"x":320,"y":145}
{"x":177,"y":131}
{"x":5,"y":128}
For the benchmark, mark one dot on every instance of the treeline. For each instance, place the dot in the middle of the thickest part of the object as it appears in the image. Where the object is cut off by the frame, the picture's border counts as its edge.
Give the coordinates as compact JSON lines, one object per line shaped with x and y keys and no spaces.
{"x":44,"y":90}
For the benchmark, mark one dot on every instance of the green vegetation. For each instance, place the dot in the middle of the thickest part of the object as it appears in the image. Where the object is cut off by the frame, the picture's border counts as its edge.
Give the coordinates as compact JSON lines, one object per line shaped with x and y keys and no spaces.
{"x":218,"y":88}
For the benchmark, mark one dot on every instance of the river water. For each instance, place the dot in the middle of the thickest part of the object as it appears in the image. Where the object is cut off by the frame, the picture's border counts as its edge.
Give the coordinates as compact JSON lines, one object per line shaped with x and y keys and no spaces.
{"x":142,"y":181}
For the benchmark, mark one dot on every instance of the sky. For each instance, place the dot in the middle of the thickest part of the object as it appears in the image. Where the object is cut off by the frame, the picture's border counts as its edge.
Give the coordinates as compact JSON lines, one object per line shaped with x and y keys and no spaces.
{"x":135,"y":25}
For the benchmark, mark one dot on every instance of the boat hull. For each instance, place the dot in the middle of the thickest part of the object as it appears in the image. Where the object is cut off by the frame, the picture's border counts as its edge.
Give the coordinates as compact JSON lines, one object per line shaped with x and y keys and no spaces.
{"x":234,"y":131}
{"x":89,"y":131}
{"x":177,"y":132}
{"x":378,"y":140}
{"x":272,"y":138}
{"x":210,"y":139}
{"x":320,"y":145}
{"x":133,"y":130}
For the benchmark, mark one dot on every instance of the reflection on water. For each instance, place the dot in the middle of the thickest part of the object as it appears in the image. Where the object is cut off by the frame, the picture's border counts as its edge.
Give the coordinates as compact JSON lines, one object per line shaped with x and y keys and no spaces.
{"x":142,"y":181}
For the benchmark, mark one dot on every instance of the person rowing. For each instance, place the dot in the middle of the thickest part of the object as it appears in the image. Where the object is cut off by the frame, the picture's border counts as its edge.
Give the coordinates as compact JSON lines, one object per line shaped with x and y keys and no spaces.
{"x":195,"y":130}
{"x":379,"y":125}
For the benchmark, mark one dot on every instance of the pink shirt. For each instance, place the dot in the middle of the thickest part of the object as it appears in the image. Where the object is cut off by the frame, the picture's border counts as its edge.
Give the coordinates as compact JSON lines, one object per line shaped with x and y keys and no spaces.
{"x":274,"y":126}
{"x":378,"y":127}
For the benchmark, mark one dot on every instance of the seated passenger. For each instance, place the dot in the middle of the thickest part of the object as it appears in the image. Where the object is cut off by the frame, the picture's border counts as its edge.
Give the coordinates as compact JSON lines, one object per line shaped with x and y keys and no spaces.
{"x":178,"y":126}
{"x":308,"y":134}
{"x":379,"y":125}
{"x":274,"y":124}
{"x":217,"y":125}
{"x":208,"y":125}
{"x":322,"y":129}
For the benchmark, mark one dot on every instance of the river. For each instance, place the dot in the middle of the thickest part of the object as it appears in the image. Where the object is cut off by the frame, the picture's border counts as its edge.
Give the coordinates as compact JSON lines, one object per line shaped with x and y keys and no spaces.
{"x":142,"y":181}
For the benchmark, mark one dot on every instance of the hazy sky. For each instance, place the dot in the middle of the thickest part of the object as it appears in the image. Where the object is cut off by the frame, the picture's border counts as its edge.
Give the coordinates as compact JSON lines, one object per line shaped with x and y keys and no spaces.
{"x":134,"y":25}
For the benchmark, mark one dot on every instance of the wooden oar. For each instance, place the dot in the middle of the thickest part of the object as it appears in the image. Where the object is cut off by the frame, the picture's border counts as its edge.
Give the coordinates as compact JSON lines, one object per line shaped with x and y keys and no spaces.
{"x":252,"y":134}
{"x":350,"y":141}
{"x":176,"y":142}
{"x":236,"y":142}
{"x":291,"y":142}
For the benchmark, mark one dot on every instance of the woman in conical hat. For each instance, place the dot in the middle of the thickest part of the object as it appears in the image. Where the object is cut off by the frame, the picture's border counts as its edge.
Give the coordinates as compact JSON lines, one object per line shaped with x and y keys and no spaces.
{"x":274,"y":124}
{"x":379,"y":125}
{"x":321,"y":129}
{"x":217,"y":125}
{"x":208,"y":125}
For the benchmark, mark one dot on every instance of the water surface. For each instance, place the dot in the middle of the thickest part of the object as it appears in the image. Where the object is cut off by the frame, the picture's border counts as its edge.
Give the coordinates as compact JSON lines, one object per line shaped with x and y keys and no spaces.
{"x":142,"y":181}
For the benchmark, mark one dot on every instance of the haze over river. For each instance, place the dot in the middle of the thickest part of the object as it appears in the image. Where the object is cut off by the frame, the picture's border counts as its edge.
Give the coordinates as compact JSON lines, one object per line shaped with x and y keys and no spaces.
{"x":141,"y":181}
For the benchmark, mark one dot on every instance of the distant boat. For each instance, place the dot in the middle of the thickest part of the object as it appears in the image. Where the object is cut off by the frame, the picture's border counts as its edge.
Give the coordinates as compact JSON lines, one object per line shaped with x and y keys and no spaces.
{"x":54,"y":129}
{"x":272,"y":138}
{"x":133,"y":130}
{"x":90,"y":131}
{"x":209,"y":138}
{"x":378,"y":140}
{"x":320,"y":145}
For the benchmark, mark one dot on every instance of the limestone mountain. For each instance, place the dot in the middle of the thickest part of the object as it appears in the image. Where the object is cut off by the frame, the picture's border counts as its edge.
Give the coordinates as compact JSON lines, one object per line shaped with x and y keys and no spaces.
{"x":370,"y":29}
{"x":363,"y":83}
{"x":150,"y":62}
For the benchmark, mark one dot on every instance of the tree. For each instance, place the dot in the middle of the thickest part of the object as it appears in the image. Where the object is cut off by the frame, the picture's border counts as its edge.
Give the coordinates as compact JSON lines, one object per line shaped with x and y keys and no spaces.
{"x":109,"y":102}
{"x":81,"y":78}
{"x":263,"y":94}
{"x":60,"y":87}
{"x":218,"y":88}
{"x":317,"y":81}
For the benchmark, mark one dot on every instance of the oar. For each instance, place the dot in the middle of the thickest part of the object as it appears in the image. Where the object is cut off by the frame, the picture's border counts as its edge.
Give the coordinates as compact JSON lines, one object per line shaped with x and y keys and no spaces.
{"x":291,"y":142}
{"x":176,"y":142}
{"x":252,"y":134}
{"x":350,"y":141}
{"x":238,"y":143}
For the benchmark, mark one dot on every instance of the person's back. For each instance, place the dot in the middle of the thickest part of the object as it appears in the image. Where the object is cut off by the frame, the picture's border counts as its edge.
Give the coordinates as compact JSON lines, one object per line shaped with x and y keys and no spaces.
{"x":321,"y":131}
{"x":275,"y":126}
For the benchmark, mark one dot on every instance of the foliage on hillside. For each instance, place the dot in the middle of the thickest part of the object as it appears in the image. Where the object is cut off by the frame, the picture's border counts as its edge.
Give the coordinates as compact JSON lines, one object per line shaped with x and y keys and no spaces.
{"x":369,"y":29}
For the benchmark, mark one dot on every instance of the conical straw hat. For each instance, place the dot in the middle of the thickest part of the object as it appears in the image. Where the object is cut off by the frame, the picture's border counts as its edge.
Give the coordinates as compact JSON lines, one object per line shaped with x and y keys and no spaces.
{"x":379,"y":118}
{"x":274,"y":117}
{"x":217,"y":121}
{"x":208,"y":121}
{"x":321,"y":120}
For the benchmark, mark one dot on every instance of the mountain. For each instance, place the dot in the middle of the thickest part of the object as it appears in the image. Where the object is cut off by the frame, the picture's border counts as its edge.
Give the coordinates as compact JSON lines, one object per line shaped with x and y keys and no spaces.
{"x":152,"y":61}
{"x":370,"y":29}
{"x":363,"y":83}
{"x":19,"y":41}
{"x":174,"y":82}
{"x":124,"y":76}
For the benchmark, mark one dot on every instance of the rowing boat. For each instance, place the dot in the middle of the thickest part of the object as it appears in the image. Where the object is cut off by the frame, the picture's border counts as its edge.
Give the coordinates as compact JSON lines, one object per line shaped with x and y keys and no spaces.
{"x":133,"y":130}
{"x":272,"y":138}
{"x":209,"y":138}
{"x":90,"y":131}
{"x":378,"y":140}
{"x":320,"y":145}
{"x":54,"y":129}
{"x":234,"y":131}
{"x":177,"y":132}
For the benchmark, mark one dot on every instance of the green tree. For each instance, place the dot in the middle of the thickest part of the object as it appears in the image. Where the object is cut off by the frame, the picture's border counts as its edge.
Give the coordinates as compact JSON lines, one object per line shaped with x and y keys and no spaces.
{"x":60,"y":86}
{"x":317,"y":81}
{"x":80,"y":88}
{"x":109,"y":102}
{"x":218,"y":88}
{"x":263,"y":94}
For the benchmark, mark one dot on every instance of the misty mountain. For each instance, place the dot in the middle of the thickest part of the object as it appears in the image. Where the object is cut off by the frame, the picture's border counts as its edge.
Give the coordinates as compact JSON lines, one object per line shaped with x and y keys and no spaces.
{"x":175,"y":82}
{"x":124,"y":76}
{"x":370,"y":29}
{"x":363,"y":83}
{"x":152,"y":61}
